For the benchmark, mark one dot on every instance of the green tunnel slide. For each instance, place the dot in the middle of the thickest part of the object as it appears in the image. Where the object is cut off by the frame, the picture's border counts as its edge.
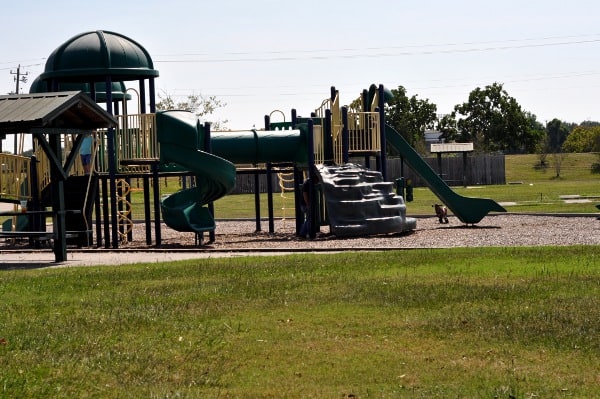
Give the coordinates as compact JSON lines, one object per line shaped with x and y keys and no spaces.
{"x":181,"y":138}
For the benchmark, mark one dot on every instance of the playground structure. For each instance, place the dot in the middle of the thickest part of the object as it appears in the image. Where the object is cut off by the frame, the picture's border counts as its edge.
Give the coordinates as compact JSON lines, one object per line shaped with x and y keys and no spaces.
{"x":354,"y":200}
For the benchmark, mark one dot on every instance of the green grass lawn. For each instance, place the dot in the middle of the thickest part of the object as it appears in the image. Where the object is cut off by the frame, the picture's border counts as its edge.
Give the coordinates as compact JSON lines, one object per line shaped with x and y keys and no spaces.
{"x":531,"y":189}
{"x":451,"y":323}
{"x":490,"y":323}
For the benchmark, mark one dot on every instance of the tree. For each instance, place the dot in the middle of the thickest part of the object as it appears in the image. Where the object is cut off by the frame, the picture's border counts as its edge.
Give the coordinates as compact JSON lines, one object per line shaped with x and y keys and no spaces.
{"x":201,"y":106}
{"x":536,"y":133}
{"x":410,"y":116}
{"x":494,"y":121}
{"x":448,"y":127}
{"x":589,"y":124}
{"x":557,"y":132}
{"x":583,"y":139}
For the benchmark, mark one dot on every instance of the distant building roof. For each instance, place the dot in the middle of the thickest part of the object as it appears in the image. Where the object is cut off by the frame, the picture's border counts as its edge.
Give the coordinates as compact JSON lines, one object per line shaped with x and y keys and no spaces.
{"x":20,"y":113}
{"x":433,"y":136}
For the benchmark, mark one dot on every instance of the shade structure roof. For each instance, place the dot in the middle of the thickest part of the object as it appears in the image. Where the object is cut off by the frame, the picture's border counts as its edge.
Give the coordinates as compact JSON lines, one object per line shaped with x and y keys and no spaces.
{"x":92,"y":56}
{"x":23,"y":113}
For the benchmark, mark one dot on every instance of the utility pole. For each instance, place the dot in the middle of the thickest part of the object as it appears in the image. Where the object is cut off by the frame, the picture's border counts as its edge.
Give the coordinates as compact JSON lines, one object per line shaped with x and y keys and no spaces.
{"x":19,"y":77}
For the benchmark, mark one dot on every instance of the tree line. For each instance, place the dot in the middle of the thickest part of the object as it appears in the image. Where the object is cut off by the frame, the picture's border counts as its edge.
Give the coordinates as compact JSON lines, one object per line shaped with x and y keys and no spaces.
{"x":493,"y":121}
{"x":490,"y":118}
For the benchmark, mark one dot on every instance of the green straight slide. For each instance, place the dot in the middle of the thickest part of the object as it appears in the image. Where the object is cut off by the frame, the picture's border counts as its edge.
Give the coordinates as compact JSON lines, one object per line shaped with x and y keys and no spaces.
{"x":468,"y":210}
{"x":179,"y":136}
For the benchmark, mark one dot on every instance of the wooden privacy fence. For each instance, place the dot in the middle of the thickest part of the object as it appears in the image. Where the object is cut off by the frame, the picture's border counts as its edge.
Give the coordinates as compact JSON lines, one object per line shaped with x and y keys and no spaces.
{"x":481,"y":170}
{"x":486,"y":169}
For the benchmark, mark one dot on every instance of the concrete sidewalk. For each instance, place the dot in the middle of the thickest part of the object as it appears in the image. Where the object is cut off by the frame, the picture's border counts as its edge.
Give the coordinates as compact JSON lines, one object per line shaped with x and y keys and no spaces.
{"x":18,"y":259}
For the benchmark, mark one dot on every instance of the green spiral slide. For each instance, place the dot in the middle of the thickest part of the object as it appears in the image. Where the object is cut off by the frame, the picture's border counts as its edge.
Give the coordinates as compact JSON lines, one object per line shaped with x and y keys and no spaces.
{"x":468,"y":210}
{"x":180,"y":137}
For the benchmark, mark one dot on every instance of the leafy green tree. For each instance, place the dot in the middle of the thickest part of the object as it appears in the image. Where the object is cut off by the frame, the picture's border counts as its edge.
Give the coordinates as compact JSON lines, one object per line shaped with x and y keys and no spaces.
{"x":589,"y":124}
{"x":201,"y":106}
{"x":537,"y":133}
{"x":448,"y":127}
{"x":583,"y":139}
{"x":494,"y":121}
{"x":557,"y":132}
{"x":410,"y":116}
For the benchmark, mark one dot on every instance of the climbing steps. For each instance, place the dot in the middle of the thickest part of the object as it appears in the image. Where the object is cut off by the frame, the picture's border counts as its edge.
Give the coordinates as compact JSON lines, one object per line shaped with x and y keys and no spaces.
{"x":359,"y":203}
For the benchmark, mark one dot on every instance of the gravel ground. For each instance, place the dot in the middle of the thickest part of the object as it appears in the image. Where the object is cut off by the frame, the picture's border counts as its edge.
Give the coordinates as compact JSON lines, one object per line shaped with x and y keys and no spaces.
{"x":239,"y":238}
{"x":495,"y":230}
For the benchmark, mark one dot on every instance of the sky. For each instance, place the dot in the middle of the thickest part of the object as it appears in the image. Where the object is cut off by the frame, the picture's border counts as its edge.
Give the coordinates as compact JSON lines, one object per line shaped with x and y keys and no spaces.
{"x":265,"y":55}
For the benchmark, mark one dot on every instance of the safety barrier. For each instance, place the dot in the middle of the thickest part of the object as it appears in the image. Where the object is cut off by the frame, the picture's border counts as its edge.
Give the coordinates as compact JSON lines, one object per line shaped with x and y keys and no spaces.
{"x":363,"y":128}
{"x":333,"y":105}
{"x":135,"y":140}
{"x":15,"y":177}
{"x":364,"y":132}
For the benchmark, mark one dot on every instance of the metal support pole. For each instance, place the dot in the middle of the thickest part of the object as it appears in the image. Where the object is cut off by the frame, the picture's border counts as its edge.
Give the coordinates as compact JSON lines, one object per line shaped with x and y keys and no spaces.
{"x":298,"y":180}
{"x":383,"y":142}
{"x":105,"y":212}
{"x":345,"y":136}
{"x":147,"y":212}
{"x":208,"y":148}
{"x":257,"y":200}
{"x":142,"y":96}
{"x":312,"y":208}
{"x":156,"y":192}
{"x":58,"y":204}
{"x":112,"y":167}
{"x":328,"y":139}
{"x":270,"y":197}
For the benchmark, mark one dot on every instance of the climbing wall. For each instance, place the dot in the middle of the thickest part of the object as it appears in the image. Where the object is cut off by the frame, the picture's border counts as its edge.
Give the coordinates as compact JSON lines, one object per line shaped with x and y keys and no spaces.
{"x":360,"y":203}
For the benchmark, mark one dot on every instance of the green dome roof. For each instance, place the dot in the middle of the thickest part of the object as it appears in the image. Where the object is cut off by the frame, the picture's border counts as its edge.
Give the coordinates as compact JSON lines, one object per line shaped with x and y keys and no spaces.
{"x":92,"y":56}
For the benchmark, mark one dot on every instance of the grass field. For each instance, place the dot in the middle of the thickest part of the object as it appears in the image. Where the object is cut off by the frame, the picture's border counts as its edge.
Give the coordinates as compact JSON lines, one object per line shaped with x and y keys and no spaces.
{"x":532,"y":190}
{"x":492,"y":323}
{"x":452,"y":323}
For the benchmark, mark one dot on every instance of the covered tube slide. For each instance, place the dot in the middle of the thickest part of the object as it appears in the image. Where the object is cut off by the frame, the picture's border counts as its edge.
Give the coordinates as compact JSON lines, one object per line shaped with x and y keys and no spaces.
{"x":181,"y":138}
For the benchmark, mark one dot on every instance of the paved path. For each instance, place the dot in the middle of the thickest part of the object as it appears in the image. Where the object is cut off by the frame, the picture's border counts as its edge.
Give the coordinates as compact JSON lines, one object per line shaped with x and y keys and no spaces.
{"x":45,"y":259}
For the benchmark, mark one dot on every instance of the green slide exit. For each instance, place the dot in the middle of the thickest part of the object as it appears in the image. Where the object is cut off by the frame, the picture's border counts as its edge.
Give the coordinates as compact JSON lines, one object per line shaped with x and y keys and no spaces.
{"x":179,"y":137}
{"x":468,"y":210}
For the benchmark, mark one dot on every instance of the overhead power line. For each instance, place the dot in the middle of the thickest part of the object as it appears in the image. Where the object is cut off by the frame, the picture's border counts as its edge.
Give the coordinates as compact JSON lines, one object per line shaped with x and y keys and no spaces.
{"x":367,"y":52}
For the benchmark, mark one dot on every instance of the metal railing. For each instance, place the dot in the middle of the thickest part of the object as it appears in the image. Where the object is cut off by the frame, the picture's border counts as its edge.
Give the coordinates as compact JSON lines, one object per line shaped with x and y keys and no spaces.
{"x":364,"y":132}
{"x":363,"y":129}
{"x":15,"y":177}
{"x":333,"y":105}
{"x":135,"y":140}
{"x":136,"y":137}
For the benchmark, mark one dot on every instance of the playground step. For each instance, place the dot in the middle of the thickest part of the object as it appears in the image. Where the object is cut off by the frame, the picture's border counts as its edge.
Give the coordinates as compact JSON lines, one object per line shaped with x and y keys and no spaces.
{"x":347,"y":180}
{"x":374,"y":226}
{"x":360,"y":202}
{"x":383,"y":186}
